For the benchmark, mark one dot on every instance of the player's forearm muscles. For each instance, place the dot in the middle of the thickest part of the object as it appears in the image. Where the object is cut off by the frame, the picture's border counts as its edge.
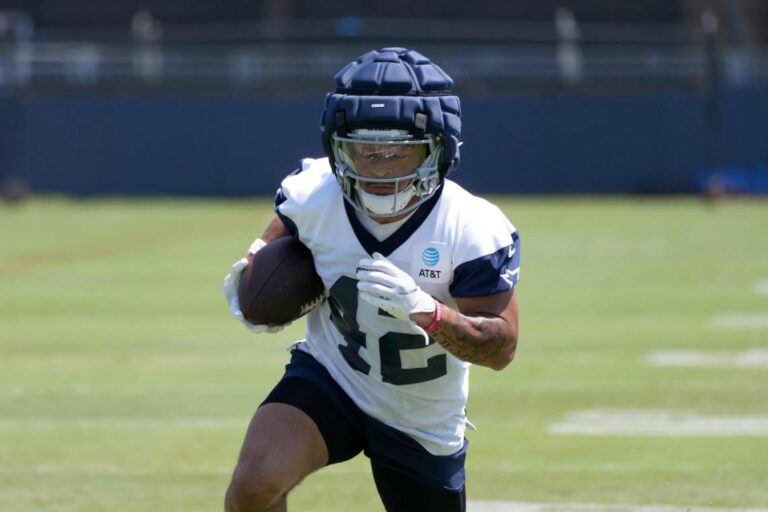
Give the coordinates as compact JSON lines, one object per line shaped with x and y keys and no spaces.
{"x":275,"y":229}
{"x":486,"y":341}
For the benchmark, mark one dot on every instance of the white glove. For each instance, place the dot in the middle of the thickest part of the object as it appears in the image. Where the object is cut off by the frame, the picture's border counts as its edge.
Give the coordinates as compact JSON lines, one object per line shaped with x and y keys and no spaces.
{"x":232,"y":282}
{"x":385,"y":286}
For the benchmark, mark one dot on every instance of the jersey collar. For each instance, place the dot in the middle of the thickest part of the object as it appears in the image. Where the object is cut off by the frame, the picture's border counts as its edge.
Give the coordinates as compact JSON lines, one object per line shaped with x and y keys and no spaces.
{"x":387,"y":246}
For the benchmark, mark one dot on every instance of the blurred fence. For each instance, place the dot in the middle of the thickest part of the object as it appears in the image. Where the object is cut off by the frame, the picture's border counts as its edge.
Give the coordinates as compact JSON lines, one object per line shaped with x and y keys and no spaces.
{"x":302,"y":68}
{"x":649,"y":114}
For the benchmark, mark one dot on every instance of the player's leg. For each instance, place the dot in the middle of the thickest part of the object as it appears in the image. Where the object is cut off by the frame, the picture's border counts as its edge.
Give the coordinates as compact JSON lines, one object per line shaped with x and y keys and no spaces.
{"x":408,"y":476}
{"x":281,"y":447}
{"x":298,"y":429}
{"x":401,"y":493}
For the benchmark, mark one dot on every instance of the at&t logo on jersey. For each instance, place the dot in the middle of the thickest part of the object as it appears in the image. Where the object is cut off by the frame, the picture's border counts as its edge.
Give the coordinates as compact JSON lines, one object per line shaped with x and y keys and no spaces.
{"x":431,"y":264}
{"x":430,"y":256}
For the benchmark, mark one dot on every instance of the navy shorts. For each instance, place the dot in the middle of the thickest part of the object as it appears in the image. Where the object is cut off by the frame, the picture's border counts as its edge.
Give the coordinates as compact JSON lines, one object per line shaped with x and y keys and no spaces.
{"x":347,"y":430}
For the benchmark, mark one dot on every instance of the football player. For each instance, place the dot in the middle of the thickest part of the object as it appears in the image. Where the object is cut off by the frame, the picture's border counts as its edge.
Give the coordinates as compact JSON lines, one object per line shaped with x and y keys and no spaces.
{"x":420,"y":279}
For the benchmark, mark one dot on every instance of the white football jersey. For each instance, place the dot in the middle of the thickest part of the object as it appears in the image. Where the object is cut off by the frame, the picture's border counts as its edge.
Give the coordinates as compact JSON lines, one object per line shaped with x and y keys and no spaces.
{"x":454,"y":245}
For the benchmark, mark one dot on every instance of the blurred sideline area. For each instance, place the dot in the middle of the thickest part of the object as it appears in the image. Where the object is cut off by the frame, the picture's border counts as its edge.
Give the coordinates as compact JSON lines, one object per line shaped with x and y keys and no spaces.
{"x":222,"y":98}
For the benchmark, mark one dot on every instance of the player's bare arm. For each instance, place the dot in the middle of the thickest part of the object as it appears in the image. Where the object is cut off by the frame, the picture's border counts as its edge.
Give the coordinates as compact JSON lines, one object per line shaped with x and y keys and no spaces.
{"x":483,"y":331}
{"x":275,"y":229}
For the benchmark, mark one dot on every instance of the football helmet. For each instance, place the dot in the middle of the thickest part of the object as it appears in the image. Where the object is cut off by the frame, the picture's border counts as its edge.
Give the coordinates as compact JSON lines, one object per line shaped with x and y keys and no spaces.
{"x":390,"y":104}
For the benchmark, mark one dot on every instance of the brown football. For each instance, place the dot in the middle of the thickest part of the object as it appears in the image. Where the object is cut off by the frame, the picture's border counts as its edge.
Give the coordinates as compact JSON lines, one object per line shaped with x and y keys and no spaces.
{"x":280,"y":284}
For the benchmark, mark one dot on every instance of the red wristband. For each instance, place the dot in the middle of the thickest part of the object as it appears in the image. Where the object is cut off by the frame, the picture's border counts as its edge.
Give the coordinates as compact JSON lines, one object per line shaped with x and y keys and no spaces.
{"x":436,"y":321}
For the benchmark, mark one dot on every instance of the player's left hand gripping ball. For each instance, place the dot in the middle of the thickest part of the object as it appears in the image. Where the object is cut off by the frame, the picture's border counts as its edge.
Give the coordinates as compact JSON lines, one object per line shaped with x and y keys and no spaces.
{"x":231,"y":284}
{"x":385,"y":286}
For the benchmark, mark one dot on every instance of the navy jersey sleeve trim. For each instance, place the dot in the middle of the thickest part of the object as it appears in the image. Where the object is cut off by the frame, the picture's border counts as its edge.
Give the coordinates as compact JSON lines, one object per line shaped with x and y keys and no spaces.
{"x":280,"y":198}
{"x":486,"y":275}
{"x":279,"y":195}
{"x":290,"y":226}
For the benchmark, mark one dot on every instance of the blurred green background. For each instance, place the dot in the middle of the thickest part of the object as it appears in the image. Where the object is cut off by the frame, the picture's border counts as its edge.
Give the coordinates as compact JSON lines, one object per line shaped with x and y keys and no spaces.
{"x":125,"y":385}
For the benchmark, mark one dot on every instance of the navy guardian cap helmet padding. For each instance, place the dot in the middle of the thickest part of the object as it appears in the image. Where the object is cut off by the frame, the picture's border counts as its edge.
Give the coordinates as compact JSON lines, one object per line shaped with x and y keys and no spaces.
{"x":395,"y":88}
{"x":393,"y":71}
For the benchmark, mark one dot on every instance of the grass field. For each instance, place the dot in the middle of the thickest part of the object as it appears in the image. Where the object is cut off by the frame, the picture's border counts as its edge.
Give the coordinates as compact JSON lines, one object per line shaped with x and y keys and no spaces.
{"x":125,"y":386}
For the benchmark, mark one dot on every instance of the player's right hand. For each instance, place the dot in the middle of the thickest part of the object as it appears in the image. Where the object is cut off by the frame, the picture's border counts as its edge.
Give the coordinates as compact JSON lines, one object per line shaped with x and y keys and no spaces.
{"x":231,"y":284}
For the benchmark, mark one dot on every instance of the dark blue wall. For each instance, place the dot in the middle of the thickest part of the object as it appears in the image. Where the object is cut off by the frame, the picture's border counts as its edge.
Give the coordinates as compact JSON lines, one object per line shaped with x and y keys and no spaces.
{"x":227,"y":145}
{"x":161,"y":145}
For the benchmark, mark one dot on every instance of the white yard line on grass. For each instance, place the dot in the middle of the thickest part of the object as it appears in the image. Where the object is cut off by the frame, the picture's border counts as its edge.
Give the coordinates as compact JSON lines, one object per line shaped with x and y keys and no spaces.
{"x":586,"y":467}
{"x":519,"y":506}
{"x":110,"y":469}
{"x":741,"y":320}
{"x":117,"y":423}
{"x":134,"y":470}
{"x":121,"y":392}
{"x":652,"y":423}
{"x":753,"y":358}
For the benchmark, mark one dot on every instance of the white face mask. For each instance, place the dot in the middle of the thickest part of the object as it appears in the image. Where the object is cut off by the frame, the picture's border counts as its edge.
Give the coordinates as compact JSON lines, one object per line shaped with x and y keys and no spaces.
{"x":386,"y":205}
